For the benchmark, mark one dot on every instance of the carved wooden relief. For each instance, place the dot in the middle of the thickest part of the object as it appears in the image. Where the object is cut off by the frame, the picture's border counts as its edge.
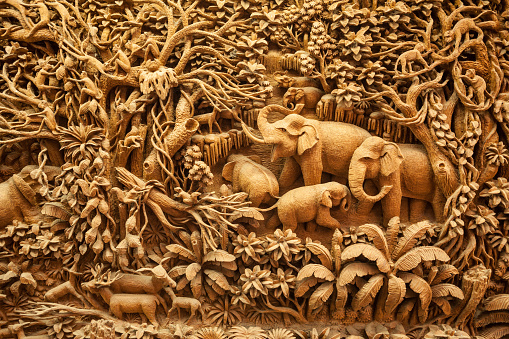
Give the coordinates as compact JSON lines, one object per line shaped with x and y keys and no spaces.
{"x":266,"y":169}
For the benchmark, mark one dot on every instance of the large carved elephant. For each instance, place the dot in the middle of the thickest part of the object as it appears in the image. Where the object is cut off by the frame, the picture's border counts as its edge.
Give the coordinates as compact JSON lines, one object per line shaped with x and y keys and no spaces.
{"x":18,"y":196}
{"x":307,"y":96}
{"x":310,"y":204}
{"x":248,"y":175}
{"x":311,"y":146}
{"x":403,"y":170}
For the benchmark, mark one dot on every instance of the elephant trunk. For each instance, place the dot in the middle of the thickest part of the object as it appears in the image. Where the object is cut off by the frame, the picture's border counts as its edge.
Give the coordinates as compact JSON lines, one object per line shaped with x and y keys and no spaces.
{"x":251,"y":136}
{"x":356,"y":180}
{"x":347,"y":200}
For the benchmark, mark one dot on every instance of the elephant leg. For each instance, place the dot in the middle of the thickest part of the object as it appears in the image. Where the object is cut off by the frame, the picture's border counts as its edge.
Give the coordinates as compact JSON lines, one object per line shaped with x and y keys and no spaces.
{"x":256,"y":200}
{"x":438,"y":205}
{"x":323,"y":218}
{"x":405,"y":210}
{"x":290,"y":173}
{"x":311,"y":226}
{"x":391,"y":203}
{"x":289,"y":221}
{"x":417,"y":209}
{"x":273,"y":221}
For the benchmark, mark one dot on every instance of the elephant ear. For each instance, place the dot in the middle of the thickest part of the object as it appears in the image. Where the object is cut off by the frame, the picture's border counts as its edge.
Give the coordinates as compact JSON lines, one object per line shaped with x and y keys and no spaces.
{"x":390,"y":159}
{"x":255,"y":158}
{"x":307,"y":139}
{"x":299,"y":94}
{"x":228,"y":170}
{"x":325,"y":199}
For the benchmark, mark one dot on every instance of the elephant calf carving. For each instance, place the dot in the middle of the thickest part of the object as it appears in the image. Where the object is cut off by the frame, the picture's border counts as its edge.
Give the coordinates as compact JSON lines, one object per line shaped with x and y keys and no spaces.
{"x":307,"y":97}
{"x":310,"y":204}
{"x":403,"y":170}
{"x":248,"y":175}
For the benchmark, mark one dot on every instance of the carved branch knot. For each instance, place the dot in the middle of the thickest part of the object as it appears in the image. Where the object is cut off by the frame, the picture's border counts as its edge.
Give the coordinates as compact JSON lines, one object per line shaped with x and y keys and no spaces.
{"x":159,"y":79}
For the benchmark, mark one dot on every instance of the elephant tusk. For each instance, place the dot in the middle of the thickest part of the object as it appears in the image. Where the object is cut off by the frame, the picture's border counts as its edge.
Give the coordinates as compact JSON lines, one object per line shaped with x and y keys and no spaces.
{"x":251,"y":136}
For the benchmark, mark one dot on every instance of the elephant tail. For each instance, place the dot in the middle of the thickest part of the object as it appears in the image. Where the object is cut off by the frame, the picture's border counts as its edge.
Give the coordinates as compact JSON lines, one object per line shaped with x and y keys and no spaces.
{"x":268,"y":208}
{"x":274,"y":196}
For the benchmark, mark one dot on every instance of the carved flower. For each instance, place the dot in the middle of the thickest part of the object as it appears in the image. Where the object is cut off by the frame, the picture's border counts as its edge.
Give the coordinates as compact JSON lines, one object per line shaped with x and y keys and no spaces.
{"x":484,"y":220}
{"x":283,"y":281}
{"x":347,"y":94}
{"x":256,"y":281}
{"x":500,"y":242}
{"x":248,"y":248}
{"x":372,"y":72}
{"x":497,"y":154}
{"x":497,"y":193}
{"x":283,"y":244}
{"x":251,"y":70}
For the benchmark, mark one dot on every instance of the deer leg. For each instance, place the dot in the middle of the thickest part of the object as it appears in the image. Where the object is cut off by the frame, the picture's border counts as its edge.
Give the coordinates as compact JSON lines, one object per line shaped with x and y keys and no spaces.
{"x":192,"y":311}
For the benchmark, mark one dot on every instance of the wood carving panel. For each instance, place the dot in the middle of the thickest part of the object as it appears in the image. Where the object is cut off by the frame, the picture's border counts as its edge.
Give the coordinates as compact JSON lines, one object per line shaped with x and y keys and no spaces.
{"x":275,"y":169}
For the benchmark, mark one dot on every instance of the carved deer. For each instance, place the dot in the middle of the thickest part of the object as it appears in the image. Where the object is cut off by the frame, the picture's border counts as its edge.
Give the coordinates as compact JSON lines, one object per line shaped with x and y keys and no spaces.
{"x":121,"y":303}
{"x":212,"y":118}
{"x":184,"y":302}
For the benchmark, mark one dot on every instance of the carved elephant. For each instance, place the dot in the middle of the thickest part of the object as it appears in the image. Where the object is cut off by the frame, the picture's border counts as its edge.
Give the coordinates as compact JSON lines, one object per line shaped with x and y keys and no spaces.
{"x":311,"y":146}
{"x":18,"y":196}
{"x":310,"y":204}
{"x":287,"y":81}
{"x":402,"y":170}
{"x":308,"y":96}
{"x":248,"y":175}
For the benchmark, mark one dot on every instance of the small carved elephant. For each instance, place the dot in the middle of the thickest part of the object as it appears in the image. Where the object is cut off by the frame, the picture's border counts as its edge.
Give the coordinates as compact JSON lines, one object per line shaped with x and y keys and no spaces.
{"x":248,"y":175}
{"x":309,"y":96}
{"x":310,"y":204}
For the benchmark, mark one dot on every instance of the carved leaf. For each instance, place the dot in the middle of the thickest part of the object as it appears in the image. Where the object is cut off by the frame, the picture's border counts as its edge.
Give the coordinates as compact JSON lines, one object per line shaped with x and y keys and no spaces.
{"x":415,"y":256}
{"x":219,"y":279}
{"x":316,"y":270}
{"x":374,"y":232}
{"x":419,"y":286}
{"x":489,"y":318}
{"x":497,"y":303}
{"x":337,"y":240}
{"x":196,"y":286}
{"x":177,"y":271}
{"x":321,"y":295}
{"x":342,"y":296}
{"x":392,"y":233}
{"x":192,"y":270}
{"x":368,"y":292}
{"x":356,"y":269}
{"x":444,"y":272}
{"x":495,"y":332}
{"x":322,"y":253}
{"x":444,"y":304}
{"x":56,"y":210}
{"x":410,"y":237}
{"x":218,"y":256}
{"x":178,"y":250}
{"x":369,"y":252}
{"x":26,"y":278}
{"x":302,"y":286}
{"x":404,"y":310}
{"x":444,"y":290}
{"x":396,"y":293}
